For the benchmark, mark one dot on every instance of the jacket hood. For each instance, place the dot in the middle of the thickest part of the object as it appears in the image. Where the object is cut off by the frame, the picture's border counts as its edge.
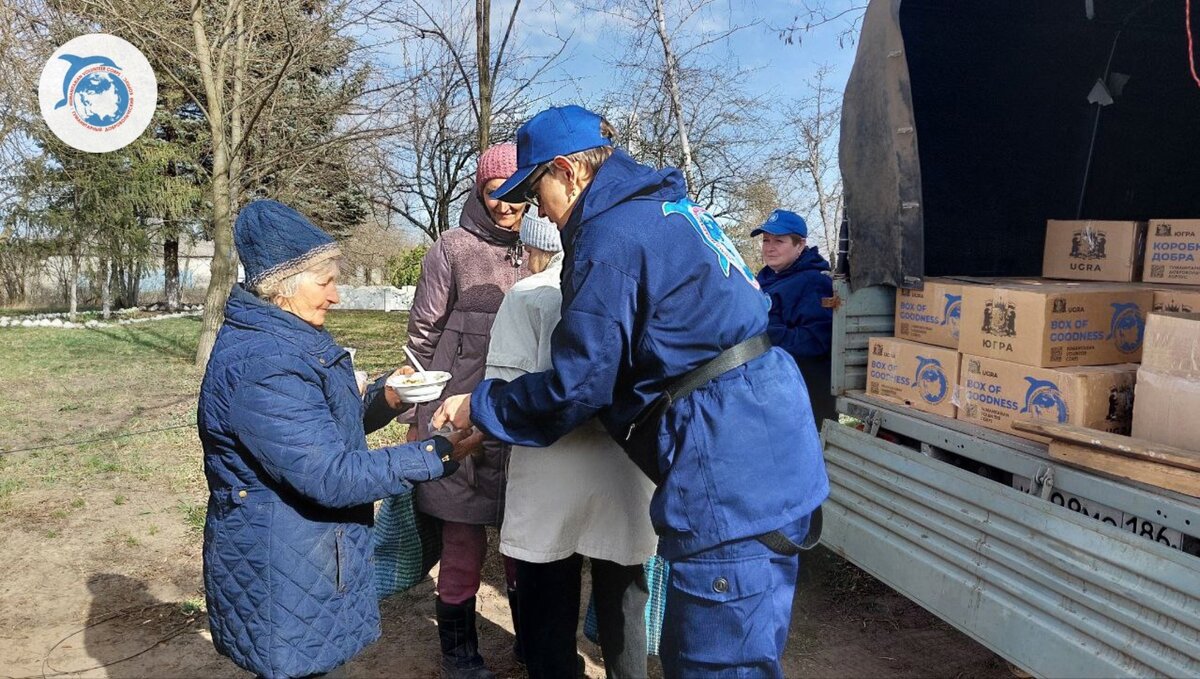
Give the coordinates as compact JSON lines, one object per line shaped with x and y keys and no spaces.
{"x":476,"y":219}
{"x":244,"y":310}
{"x":809,"y":260}
{"x":622,"y":178}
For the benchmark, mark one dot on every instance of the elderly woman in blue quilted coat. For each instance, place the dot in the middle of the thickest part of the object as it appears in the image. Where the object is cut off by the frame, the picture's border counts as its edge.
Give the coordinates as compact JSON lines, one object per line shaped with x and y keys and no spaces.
{"x":287,"y":568}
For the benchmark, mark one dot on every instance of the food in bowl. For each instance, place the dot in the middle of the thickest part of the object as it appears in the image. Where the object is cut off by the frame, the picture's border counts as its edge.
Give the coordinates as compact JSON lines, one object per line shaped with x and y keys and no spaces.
{"x":419,"y":387}
{"x":414,"y":379}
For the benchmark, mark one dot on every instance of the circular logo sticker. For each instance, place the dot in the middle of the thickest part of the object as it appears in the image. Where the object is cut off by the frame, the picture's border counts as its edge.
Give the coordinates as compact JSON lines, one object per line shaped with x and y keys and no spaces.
{"x":97,"y":93}
{"x":931,"y":380}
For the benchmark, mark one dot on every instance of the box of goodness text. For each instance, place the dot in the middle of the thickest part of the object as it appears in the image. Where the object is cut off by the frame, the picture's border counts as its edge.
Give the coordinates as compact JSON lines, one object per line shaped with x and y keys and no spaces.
{"x":994,"y":393}
{"x":1054,"y":323}
{"x":1173,"y":252}
{"x":1167,"y":405}
{"x":917,"y":375}
{"x":930,"y":315}
{"x":1094,"y":250}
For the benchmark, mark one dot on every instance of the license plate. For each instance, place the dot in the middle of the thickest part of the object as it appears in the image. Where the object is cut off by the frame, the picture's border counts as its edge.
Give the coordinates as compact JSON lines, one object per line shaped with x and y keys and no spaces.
{"x":1152,"y":531}
{"x":1113,"y":517}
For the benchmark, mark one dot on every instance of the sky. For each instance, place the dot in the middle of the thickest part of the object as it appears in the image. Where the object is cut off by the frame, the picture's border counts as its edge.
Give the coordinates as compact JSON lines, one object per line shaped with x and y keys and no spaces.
{"x":585,"y":74}
{"x":779,"y":68}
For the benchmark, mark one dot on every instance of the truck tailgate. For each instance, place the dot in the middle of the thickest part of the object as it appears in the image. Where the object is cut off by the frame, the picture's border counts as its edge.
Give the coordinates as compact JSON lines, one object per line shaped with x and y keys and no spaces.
{"x":1058,"y":594}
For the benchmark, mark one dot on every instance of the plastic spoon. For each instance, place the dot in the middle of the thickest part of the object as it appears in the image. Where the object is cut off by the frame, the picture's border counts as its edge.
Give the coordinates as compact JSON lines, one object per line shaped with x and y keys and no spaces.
{"x":417,"y":364}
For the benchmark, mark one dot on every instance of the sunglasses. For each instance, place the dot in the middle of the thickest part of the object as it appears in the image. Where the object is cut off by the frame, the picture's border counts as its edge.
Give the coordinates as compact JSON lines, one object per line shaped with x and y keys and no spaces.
{"x":531,"y":195}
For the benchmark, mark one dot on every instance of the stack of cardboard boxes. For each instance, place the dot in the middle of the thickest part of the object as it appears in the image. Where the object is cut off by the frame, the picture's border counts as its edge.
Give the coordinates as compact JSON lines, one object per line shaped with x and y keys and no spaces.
{"x":991,"y":351}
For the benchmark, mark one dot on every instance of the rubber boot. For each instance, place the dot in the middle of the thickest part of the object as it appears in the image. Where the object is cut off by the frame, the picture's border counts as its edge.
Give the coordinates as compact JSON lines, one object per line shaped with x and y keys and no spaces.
{"x":514,"y":607}
{"x":460,"y":641}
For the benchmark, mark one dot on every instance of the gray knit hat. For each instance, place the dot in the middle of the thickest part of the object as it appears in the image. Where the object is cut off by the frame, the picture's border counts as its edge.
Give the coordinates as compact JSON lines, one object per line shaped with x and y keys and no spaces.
{"x":540,"y":233}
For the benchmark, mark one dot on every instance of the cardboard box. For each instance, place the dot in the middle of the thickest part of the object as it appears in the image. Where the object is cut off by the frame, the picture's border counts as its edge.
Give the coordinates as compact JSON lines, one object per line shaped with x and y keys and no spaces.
{"x":994,"y":393}
{"x":930,"y":315}
{"x":1094,"y":250}
{"x":1173,"y":252}
{"x":1055,"y":324}
{"x":920,"y":376}
{"x":1167,"y":408}
{"x":1172,"y":345}
{"x":1177,"y":300}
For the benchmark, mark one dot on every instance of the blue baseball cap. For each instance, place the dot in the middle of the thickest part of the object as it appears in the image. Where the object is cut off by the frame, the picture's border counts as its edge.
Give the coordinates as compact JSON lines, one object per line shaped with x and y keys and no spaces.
{"x":557,"y":131}
{"x":783,"y":222}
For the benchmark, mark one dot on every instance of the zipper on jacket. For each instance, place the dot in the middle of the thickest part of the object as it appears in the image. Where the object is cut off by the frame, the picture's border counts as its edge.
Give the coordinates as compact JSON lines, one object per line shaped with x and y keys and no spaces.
{"x":458,"y":352}
{"x":337,"y":554}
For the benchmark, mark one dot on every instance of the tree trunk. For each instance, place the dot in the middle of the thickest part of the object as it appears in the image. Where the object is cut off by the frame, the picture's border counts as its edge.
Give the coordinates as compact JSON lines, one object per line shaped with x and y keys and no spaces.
{"x":116,"y":277}
{"x":171,"y":274}
{"x":73,"y":285}
{"x":135,"y":284}
{"x":14,"y":271}
{"x":483,"y":52}
{"x":127,"y":277}
{"x":105,"y":289}
{"x":672,"y":67}
{"x":224,"y":261}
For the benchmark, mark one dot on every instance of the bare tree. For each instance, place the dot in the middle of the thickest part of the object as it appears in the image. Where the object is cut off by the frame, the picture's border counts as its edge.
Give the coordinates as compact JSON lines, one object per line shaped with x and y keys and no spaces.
{"x":845,"y":16}
{"x":481,"y":72}
{"x":759,"y":197}
{"x":810,"y":165}
{"x":369,"y":250}
{"x":671,"y":75}
{"x":462,"y":91}
{"x":421,"y":171}
{"x":682,"y":100}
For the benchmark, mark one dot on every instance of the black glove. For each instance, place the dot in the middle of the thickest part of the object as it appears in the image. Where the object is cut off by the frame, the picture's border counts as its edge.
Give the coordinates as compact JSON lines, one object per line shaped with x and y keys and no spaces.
{"x":442,"y":447}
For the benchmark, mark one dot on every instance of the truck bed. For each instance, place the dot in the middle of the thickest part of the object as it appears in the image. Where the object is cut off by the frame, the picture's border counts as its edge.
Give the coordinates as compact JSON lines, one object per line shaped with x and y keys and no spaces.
{"x":1051,"y":587}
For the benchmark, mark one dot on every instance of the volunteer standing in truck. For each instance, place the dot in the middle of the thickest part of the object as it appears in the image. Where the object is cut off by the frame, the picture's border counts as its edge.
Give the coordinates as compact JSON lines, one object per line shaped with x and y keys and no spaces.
{"x":796,"y":278}
{"x":657,"y":299}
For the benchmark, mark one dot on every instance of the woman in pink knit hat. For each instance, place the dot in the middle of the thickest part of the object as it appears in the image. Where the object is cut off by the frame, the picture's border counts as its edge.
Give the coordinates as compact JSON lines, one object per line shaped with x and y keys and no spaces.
{"x":463,"y":280}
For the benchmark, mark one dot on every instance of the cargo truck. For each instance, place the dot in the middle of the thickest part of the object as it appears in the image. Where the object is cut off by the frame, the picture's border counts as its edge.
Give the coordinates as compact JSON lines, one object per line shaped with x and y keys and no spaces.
{"x":967,"y":124}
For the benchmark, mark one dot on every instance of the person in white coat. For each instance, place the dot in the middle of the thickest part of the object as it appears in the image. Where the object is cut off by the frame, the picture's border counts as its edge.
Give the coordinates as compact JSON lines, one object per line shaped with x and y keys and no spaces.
{"x":582,"y":496}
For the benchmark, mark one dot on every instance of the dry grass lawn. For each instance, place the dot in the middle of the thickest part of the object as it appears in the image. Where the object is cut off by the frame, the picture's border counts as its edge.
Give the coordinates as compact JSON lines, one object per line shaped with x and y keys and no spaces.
{"x":102,"y":506}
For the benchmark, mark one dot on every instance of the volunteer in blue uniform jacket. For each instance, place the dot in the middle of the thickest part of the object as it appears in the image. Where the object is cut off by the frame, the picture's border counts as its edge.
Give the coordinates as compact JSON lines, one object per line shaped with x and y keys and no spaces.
{"x":796,"y":277}
{"x":652,"y":291}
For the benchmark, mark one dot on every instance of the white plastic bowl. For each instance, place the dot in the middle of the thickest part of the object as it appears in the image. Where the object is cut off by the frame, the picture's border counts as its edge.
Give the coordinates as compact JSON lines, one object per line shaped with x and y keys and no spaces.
{"x":419,"y":387}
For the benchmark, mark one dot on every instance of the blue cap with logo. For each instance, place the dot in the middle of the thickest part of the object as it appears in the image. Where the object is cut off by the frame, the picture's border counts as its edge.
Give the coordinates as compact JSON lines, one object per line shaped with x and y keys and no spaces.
{"x":557,"y":131}
{"x":783,"y":222}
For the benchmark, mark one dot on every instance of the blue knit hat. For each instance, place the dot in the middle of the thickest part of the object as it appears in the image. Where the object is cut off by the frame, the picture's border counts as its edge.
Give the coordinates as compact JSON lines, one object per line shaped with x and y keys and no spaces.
{"x":274,"y":242}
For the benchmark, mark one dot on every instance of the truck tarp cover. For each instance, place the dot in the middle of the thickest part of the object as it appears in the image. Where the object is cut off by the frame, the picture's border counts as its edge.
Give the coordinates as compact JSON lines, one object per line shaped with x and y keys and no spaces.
{"x":967,"y":124}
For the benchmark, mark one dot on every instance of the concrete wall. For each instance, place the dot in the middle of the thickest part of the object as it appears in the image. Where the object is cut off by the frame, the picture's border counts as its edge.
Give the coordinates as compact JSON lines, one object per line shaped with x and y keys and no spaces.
{"x":376,"y":297}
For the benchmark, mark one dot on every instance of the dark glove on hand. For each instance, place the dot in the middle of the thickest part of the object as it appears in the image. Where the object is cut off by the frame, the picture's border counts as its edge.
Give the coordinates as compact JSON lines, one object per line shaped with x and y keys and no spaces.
{"x":444,"y":448}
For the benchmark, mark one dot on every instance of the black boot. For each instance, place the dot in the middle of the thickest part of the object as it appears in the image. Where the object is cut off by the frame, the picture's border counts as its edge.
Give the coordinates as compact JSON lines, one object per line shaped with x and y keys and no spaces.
{"x":460,"y":641}
{"x":515,"y":608}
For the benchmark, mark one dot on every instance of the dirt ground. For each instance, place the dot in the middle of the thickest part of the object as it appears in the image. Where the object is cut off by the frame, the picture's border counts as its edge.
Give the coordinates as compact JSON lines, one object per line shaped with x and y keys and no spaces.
{"x":100,"y":537}
{"x":95,"y":605}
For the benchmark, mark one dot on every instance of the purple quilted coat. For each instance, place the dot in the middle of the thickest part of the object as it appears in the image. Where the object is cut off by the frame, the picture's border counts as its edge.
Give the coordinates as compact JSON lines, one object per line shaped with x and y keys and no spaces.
{"x":463,"y":280}
{"x":287,"y":545}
